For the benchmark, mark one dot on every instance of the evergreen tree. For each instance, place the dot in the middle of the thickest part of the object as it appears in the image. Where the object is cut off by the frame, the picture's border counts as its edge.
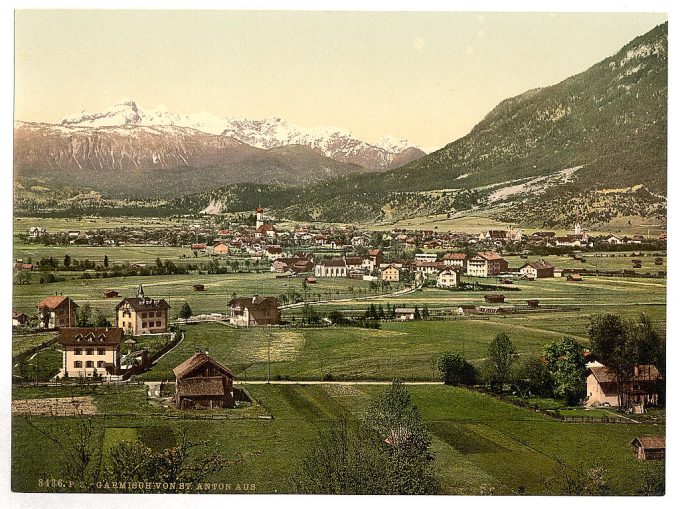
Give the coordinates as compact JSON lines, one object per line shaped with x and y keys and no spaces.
{"x":185,"y":311}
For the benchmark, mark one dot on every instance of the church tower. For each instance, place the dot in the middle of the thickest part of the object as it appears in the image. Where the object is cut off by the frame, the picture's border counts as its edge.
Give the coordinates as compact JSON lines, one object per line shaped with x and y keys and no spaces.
{"x":259,"y":214}
{"x":578,"y":230}
{"x":140,"y":292}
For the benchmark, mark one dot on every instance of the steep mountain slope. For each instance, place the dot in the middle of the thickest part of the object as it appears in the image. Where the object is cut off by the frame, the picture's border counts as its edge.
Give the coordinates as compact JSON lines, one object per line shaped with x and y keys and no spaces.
{"x":604,"y":128}
{"x":157,"y":162}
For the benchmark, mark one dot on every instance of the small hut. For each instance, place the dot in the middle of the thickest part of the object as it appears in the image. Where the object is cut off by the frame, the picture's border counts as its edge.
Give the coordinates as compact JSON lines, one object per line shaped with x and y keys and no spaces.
{"x":202,"y":382}
{"x":658,"y":261}
{"x":649,"y":448}
{"x":637,"y":264}
{"x":198,"y":287}
{"x":576,"y":278}
{"x":110,"y":294}
{"x":532,"y":303}
{"x":494,"y":298}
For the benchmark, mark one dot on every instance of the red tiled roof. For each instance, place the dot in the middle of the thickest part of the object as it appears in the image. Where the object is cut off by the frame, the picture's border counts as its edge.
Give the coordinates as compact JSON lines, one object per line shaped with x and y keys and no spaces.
{"x":54,"y":302}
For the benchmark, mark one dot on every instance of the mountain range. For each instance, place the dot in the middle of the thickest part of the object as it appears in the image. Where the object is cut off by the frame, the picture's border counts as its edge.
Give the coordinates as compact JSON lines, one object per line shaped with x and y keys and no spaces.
{"x":595,"y":142}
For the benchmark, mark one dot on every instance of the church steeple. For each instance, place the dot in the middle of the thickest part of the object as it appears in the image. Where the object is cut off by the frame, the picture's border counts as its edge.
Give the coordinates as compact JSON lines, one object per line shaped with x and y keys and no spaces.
{"x":140,"y":292}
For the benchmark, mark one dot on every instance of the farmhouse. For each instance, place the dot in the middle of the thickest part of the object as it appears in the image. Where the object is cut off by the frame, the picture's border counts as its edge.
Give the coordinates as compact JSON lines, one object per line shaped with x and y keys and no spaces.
{"x":246,"y":312}
{"x":390,"y":273}
{"x":649,"y":448}
{"x":448,"y":278}
{"x":90,"y":351}
{"x":538,"y":269}
{"x":19,"y":319}
{"x":202,"y":382}
{"x":485,"y":264}
{"x":636,"y":393}
{"x":142,"y":315}
{"x":333,"y":267}
{"x":405,"y":314}
{"x":56,"y":311}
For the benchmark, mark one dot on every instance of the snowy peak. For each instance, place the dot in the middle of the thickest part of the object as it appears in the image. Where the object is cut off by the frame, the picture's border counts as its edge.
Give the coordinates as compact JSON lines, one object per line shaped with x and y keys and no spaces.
{"x":333,"y":142}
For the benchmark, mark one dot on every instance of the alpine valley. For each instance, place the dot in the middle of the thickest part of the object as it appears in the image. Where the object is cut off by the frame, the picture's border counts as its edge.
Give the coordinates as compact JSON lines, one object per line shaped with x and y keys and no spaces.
{"x":595,"y":142}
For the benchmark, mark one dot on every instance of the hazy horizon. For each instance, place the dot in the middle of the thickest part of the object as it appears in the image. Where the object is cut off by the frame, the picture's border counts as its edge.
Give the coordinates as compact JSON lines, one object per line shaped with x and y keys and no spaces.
{"x":427,"y":77}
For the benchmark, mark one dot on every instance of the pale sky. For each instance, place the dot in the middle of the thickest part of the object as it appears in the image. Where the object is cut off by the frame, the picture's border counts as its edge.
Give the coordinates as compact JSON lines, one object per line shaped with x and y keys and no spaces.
{"x":426,"y":77}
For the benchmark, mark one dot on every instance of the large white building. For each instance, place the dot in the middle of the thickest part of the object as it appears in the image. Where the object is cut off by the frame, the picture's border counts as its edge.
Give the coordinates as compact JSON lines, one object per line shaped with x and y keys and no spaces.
{"x":333,"y":267}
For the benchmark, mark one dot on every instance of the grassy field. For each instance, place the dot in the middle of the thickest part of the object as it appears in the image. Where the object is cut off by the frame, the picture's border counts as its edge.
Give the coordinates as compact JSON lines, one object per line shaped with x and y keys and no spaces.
{"x":56,"y":224}
{"x":477,"y":440}
{"x":177,"y":289}
{"x":23,"y":342}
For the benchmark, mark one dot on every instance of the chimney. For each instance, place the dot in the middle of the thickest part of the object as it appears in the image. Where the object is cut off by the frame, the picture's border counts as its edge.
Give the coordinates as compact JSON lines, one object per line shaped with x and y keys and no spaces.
{"x":207,"y":352}
{"x":255,"y":298}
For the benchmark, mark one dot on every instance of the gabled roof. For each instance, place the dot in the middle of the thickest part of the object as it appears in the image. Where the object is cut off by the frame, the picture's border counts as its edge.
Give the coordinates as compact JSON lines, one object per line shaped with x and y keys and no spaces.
{"x":99,"y":336}
{"x":254,"y":302}
{"x":489,"y":255}
{"x":144,"y":304}
{"x":650,"y":442}
{"x":405,"y":310}
{"x":455,"y":256}
{"x":55,"y":301}
{"x":201,"y":386}
{"x":646,"y":372}
{"x":333,"y":262}
{"x":266,"y":228}
{"x":196,"y":361}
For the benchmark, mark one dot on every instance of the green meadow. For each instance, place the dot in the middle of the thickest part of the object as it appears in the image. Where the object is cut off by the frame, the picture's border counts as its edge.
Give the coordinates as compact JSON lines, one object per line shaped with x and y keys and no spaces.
{"x":479,"y":444}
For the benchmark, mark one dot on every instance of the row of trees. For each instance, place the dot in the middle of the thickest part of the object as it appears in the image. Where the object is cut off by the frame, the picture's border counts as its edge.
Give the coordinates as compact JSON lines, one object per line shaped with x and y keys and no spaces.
{"x":374,"y":312}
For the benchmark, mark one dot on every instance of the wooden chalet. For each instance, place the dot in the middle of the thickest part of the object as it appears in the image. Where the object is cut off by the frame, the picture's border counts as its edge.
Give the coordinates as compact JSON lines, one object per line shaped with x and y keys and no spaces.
{"x":202,"y":382}
{"x":649,"y":448}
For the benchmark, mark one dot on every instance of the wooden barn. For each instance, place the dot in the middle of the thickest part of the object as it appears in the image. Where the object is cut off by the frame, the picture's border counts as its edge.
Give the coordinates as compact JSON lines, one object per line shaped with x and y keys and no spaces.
{"x":649,"y":448}
{"x":202,"y":382}
{"x":532,"y":303}
{"x":198,"y":288}
{"x":494,"y":298}
{"x":110,"y":294}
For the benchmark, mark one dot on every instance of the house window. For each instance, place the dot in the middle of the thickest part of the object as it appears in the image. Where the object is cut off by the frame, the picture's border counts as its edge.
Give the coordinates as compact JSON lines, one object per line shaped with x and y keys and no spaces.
{"x":101,"y":351}
{"x":158,"y":313}
{"x":89,"y":364}
{"x":78,"y":364}
{"x":143,"y":315}
{"x":100,"y":364}
{"x":78,"y":351}
{"x":89,"y":351}
{"x":143,"y":325}
{"x":158,"y":323}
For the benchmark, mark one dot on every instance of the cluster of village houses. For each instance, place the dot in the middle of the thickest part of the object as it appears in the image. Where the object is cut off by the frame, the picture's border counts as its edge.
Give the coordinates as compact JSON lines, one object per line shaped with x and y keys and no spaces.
{"x":202,"y":381}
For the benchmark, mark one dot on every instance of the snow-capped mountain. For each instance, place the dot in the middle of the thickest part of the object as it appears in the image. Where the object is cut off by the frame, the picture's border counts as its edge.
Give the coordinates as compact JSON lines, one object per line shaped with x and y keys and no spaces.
{"x":338,"y":144}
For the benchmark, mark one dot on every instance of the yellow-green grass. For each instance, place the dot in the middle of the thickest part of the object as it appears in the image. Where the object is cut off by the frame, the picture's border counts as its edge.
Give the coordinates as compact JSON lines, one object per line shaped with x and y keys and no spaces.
{"x":177,"y":289}
{"x":477,"y":440}
{"x":56,"y":224}
{"x":405,"y":350}
{"x":23,"y":342}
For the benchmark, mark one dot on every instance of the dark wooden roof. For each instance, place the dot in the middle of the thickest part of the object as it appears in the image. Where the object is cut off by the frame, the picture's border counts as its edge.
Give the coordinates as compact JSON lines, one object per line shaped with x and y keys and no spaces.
{"x":144,"y":304}
{"x":201,"y":386}
{"x":196,"y":361}
{"x":256,"y":302}
{"x":650,"y":442}
{"x":646,"y":372}
{"x":78,"y":336}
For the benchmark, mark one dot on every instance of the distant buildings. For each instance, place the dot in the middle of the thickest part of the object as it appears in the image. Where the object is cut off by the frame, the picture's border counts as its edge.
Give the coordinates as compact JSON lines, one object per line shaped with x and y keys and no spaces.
{"x":390,"y":273}
{"x":485,"y":264}
{"x":90,"y":351}
{"x":448,"y":278}
{"x":247,"y":312}
{"x":331,"y":267}
{"x":56,"y":311}
{"x":19,"y":319}
{"x":405,"y":314}
{"x":142,"y":315}
{"x":537,"y":269}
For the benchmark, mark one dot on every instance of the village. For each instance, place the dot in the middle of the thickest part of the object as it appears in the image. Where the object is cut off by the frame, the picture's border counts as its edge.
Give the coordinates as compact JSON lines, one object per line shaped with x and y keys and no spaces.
{"x":226,"y":311}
